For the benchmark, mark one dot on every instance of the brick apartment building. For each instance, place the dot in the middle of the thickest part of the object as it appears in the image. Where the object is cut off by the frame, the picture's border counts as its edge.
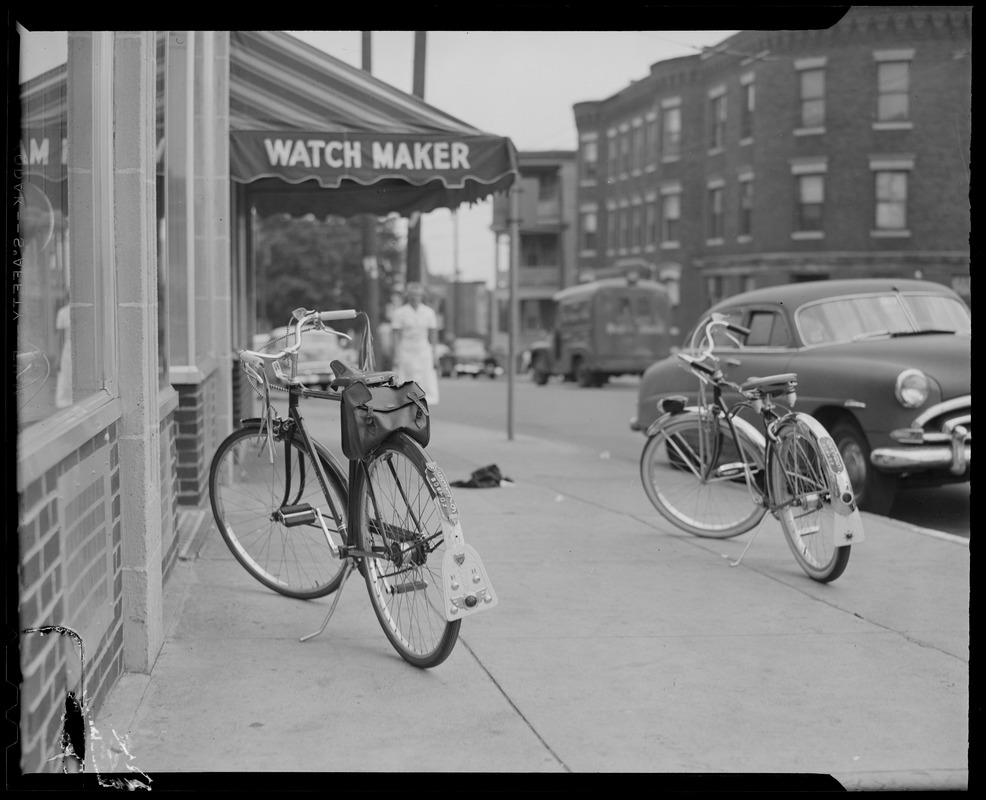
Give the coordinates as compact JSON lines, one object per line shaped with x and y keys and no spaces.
{"x":782,"y":156}
{"x":547,"y":254}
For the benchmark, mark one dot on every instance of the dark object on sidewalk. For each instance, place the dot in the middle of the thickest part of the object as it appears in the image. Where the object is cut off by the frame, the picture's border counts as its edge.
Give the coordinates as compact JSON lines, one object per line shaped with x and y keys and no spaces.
{"x":487,"y":477}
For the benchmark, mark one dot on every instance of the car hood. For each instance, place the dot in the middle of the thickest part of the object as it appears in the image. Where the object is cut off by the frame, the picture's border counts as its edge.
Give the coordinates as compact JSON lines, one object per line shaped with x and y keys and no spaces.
{"x":945,"y":358}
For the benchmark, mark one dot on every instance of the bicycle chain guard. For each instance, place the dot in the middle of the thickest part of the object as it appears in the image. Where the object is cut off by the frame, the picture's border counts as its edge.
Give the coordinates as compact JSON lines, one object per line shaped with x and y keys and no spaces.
{"x":465,"y":583}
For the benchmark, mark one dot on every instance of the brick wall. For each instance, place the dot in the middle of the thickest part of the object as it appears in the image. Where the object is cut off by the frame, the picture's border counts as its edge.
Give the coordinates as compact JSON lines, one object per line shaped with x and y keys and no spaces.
{"x":169,"y":495}
{"x":70,"y":575}
{"x":197,"y":436}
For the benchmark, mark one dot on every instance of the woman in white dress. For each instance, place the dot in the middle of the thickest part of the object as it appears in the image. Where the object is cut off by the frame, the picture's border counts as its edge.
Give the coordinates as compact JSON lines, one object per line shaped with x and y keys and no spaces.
{"x":415,"y":331}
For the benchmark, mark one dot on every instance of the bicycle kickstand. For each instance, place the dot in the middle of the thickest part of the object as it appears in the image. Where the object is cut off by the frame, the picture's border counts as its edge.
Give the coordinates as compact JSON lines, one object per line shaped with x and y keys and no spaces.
{"x":755,"y":532}
{"x":346,"y":572}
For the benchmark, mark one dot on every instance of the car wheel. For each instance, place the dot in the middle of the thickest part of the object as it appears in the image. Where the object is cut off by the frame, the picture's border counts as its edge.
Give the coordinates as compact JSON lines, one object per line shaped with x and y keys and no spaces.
{"x":874,"y":490}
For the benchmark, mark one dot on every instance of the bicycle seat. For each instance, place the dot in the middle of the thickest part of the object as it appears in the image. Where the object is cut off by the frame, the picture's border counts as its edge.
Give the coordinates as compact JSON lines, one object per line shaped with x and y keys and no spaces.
{"x":772,"y":385}
{"x":346,"y":376}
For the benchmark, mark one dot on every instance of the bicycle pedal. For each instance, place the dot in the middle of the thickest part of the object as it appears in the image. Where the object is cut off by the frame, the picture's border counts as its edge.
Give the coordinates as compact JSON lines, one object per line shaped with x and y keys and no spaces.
{"x":408,"y":586}
{"x":302,"y":514}
{"x":467,"y":586}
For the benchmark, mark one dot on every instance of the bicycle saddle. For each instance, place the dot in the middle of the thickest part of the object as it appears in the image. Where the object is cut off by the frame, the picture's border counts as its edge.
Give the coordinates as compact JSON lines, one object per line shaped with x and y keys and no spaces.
{"x":772,"y":384}
{"x":346,"y":376}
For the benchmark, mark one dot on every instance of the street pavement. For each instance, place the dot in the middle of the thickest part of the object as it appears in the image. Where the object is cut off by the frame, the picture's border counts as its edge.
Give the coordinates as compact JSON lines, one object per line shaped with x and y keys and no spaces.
{"x":619,"y":645}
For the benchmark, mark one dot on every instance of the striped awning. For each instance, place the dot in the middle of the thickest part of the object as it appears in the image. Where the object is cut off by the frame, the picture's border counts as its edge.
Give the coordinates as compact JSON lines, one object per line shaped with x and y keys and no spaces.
{"x":310,"y":133}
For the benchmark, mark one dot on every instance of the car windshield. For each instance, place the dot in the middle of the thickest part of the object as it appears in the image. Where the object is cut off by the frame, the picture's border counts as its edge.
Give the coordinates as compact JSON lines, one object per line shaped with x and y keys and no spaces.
{"x":846,"y":319}
{"x":470,"y":348}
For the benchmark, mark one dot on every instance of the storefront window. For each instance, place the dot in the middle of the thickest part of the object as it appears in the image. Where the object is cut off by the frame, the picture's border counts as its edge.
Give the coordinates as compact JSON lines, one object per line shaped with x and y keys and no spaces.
{"x":63,"y":200}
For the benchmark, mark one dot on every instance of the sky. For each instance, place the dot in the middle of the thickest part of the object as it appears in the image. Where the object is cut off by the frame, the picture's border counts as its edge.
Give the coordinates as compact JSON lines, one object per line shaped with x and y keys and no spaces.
{"x":520,"y":84}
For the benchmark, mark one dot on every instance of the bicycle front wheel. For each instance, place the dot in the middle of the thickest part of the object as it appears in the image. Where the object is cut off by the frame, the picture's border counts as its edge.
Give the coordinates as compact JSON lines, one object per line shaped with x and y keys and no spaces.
{"x":249,"y":492}
{"x":398,"y":520}
{"x":801,"y":488}
{"x":694,"y":474}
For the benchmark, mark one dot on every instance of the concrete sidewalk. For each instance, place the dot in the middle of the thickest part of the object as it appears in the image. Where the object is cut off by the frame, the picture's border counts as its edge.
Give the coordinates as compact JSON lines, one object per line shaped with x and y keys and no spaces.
{"x":619,"y":645}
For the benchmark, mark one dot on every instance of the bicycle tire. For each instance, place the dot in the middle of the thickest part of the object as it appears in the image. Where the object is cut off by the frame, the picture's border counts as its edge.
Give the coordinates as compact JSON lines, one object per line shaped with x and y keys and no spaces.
{"x":246,"y":490}
{"x":397,"y":517}
{"x":801,"y":489}
{"x":719,"y":505}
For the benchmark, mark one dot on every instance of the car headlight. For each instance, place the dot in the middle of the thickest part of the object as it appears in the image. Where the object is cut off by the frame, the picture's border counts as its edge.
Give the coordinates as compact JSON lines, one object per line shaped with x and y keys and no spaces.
{"x":912,"y":388}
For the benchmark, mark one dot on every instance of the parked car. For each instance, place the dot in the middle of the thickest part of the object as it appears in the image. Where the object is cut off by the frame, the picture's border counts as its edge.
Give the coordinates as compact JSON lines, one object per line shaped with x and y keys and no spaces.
{"x":468,"y":356}
{"x":318,"y":350}
{"x":883,"y":364}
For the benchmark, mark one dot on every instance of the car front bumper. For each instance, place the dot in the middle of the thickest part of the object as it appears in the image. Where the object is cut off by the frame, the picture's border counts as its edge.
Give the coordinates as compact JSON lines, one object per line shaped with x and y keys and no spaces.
{"x":939,"y":439}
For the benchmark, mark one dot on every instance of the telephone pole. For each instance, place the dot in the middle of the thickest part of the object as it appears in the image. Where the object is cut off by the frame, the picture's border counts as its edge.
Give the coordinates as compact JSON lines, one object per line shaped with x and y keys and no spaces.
{"x":369,"y":225}
{"x":414,"y":223}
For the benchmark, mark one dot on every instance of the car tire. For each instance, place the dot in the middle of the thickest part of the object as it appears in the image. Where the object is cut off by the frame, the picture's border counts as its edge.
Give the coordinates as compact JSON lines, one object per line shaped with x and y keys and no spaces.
{"x":874,"y":490}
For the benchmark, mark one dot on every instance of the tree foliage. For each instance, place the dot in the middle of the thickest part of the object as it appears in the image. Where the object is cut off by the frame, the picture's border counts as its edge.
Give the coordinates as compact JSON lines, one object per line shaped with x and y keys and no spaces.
{"x":313,"y":263}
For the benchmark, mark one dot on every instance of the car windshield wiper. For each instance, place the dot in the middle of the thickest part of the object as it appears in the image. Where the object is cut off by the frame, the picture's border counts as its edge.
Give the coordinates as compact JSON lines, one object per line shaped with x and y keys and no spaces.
{"x":869,"y":335}
{"x":923,"y":332}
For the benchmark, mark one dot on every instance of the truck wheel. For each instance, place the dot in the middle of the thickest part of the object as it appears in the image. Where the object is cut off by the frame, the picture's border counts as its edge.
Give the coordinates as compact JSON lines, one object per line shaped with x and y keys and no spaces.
{"x":585,"y":376}
{"x":539,"y":373}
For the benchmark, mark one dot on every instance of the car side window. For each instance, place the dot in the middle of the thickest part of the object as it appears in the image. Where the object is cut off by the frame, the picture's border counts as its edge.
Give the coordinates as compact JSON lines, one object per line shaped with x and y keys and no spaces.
{"x":767,"y":329}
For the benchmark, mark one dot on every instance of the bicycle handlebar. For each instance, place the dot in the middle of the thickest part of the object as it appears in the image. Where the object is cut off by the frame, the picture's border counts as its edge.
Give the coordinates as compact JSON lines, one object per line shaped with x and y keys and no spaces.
{"x":706,"y":372}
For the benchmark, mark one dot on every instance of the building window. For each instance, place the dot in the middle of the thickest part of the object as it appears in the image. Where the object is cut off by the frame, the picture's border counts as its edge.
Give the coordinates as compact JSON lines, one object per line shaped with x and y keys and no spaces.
{"x":636,"y":227}
{"x":612,"y":156}
{"x":539,"y":250}
{"x":624,"y":228}
{"x":611,"y":228}
{"x":714,"y":219}
{"x":746,"y":109}
{"x":638,"y":147}
{"x":811,"y":199}
{"x":589,"y":222}
{"x":650,"y":224}
{"x":893,"y":87}
{"x":891,"y":201}
{"x":653,"y":139}
{"x":714,"y":289}
{"x":549,"y":194}
{"x":65,"y":200}
{"x":588,"y":163}
{"x":671,"y":133}
{"x":745,"y":207}
{"x":812,"y":98}
{"x":717,"y":121}
{"x":670,"y":219}
{"x":624,"y":152}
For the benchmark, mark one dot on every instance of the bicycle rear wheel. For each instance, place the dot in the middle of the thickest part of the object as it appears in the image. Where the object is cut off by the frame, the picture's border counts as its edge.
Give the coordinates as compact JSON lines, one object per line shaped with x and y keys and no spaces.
{"x":801,"y":488}
{"x":693,"y":474}
{"x":398,"y":519}
{"x":247,"y":492}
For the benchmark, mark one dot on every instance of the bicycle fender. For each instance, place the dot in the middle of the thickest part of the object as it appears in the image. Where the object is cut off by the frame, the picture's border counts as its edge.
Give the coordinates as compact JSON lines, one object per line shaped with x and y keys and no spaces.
{"x":465,"y":582}
{"x":849,"y":524}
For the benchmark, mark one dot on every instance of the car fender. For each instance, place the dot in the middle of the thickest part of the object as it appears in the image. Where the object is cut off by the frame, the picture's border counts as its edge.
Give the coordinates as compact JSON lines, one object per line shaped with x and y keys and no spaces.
{"x":739,"y":423}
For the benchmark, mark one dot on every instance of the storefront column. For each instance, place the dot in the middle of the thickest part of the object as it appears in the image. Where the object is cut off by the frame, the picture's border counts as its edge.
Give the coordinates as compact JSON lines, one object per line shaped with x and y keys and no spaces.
{"x":134,"y":201}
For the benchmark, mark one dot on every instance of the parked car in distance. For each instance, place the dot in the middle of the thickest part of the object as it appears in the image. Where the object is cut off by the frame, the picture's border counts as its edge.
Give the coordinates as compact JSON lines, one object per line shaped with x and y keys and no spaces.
{"x":318,"y":350}
{"x":468,"y":356}
{"x":883,"y":364}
